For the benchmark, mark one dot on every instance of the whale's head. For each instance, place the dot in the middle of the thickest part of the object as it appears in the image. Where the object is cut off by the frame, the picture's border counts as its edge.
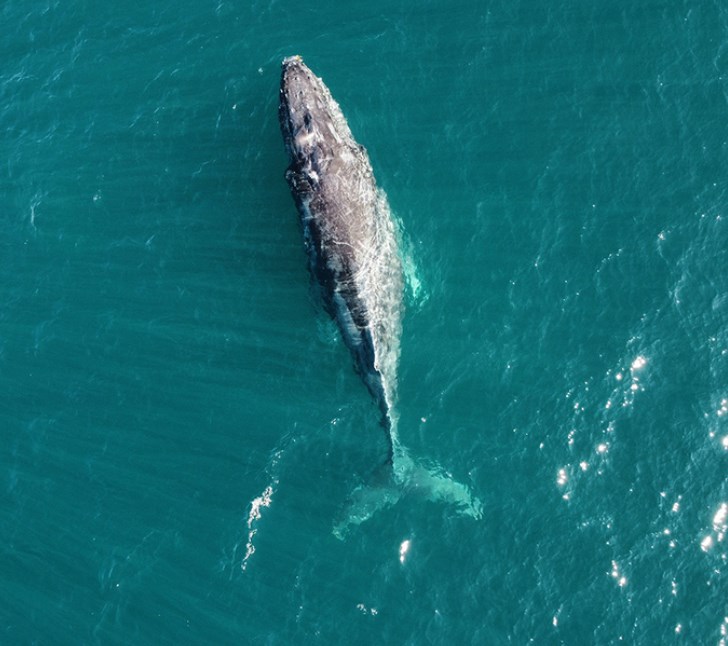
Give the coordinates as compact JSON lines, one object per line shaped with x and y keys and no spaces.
{"x":311,"y":121}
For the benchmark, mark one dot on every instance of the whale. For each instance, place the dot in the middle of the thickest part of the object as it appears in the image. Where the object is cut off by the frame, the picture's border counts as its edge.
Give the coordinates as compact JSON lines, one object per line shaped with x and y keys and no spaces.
{"x":349,"y":233}
{"x":352,"y":244}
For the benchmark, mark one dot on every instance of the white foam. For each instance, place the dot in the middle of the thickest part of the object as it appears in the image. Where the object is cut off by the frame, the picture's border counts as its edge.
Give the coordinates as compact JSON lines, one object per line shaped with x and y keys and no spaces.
{"x":256,"y":505}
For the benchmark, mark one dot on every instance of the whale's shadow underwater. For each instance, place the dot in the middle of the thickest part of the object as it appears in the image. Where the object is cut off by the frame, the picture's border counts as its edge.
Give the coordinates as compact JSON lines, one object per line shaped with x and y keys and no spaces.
{"x":353,"y":253}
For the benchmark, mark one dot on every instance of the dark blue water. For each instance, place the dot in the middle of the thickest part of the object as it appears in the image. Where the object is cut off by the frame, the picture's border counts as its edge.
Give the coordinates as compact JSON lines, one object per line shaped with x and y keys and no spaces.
{"x":181,"y":425}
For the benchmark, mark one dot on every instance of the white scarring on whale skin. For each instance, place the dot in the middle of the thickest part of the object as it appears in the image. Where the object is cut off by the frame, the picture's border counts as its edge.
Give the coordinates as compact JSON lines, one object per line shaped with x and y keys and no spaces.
{"x":352,"y":248}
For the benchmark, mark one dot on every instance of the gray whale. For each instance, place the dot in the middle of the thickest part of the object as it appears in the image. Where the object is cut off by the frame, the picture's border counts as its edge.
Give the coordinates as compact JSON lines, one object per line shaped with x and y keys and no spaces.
{"x":353,"y":254}
{"x":348,"y":229}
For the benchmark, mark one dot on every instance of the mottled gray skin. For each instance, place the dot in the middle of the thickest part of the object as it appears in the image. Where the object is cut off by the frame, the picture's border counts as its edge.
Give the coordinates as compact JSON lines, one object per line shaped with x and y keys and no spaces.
{"x":348,"y":229}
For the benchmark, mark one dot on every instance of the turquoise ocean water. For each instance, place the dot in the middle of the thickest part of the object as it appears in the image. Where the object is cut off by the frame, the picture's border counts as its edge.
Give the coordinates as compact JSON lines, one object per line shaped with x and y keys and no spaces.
{"x":181,"y":427}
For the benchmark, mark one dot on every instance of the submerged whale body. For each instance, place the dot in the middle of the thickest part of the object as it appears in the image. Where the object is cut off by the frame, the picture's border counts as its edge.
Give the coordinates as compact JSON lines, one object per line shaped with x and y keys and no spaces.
{"x":349,"y":232}
{"x":351,"y":242}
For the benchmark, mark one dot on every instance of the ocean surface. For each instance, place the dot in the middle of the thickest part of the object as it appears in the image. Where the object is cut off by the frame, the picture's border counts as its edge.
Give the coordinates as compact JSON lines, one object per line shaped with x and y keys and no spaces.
{"x":181,"y":427}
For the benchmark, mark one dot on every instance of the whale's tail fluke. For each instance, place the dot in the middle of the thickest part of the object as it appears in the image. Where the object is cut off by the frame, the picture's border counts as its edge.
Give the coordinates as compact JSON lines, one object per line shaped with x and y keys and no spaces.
{"x":400,"y":476}
{"x":434,"y":483}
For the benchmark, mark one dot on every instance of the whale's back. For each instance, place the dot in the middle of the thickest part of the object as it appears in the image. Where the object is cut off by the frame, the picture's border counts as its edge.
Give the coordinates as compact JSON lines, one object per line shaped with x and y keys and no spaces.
{"x":348,"y":227}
